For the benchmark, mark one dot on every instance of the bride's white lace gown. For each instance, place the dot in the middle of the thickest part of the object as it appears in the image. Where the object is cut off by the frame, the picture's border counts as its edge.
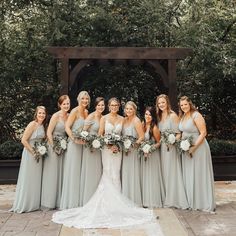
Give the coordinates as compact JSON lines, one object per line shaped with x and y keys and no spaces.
{"x":107,"y":208}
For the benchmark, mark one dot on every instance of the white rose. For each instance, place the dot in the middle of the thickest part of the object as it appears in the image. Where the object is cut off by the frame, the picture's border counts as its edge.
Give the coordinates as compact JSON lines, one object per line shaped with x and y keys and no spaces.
{"x":117,"y":137}
{"x":185,"y":145}
{"x":84,"y":134}
{"x":106,"y":140}
{"x":42,"y":150}
{"x":127,"y":143}
{"x":171,"y":138}
{"x":63,"y":144}
{"x":96,"y":143}
{"x":146,"y":148}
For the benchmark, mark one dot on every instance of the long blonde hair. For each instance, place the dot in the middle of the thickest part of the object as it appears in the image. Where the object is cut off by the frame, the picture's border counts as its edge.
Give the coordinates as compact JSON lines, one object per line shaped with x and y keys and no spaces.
{"x":158,"y":111}
{"x":192,"y":107}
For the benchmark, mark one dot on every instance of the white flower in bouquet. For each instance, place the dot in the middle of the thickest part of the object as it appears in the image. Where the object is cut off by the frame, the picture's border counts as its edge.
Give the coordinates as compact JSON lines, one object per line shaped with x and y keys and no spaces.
{"x":63,"y":144}
{"x":146,"y":148}
{"x":117,"y":137}
{"x":96,"y":144}
{"x":127,"y":144}
{"x":185,"y":145}
{"x":42,"y":150}
{"x":84,"y":134}
{"x":171,"y":138}
{"x":106,"y":140}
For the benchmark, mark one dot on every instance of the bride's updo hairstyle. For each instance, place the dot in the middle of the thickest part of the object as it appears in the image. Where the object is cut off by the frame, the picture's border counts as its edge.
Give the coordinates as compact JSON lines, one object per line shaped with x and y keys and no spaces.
{"x":132,"y":104}
{"x":81,"y":94}
{"x":192,"y":107}
{"x":61,"y":99}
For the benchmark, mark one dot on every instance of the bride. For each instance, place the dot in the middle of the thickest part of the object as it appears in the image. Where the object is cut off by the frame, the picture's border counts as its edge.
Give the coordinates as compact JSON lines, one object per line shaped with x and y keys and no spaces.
{"x":107,"y":208}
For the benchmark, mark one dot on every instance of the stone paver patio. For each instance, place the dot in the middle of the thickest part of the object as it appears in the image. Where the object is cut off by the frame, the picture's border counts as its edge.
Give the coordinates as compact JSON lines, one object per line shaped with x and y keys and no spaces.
{"x":172,"y":221}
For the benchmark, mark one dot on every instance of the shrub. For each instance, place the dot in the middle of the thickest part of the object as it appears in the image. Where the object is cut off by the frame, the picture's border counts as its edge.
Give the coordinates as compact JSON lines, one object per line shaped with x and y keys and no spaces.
{"x":10,"y":150}
{"x":222,"y":147}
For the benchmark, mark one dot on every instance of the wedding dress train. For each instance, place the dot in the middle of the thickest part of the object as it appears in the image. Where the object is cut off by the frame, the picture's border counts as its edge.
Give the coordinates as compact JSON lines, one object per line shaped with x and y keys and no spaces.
{"x":107,"y":208}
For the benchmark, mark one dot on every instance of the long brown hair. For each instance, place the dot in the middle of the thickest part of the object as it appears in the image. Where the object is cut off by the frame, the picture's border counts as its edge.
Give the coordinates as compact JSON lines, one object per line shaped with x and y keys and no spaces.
{"x":153,"y":122}
{"x":192,"y":107}
{"x":45,"y":122}
{"x":158,"y":111}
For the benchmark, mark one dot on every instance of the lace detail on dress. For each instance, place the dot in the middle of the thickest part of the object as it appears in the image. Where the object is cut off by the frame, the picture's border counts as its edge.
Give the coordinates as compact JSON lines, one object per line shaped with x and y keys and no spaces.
{"x":107,"y":208}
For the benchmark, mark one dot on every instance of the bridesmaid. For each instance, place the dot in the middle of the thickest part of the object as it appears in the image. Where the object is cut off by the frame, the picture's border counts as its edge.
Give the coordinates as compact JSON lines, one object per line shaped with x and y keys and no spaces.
{"x":175,"y":195}
{"x":132,"y":126}
{"x":197,"y":167}
{"x":70,"y":196}
{"x":92,"y":161}
{"x":28,"y":187}
{"x":52,"y":166}
{"x":151,"y":177}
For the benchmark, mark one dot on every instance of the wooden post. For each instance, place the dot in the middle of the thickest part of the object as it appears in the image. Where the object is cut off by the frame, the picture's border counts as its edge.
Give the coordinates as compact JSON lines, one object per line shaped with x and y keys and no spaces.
{"x":172,"y":84}
{"x":64,"y":76}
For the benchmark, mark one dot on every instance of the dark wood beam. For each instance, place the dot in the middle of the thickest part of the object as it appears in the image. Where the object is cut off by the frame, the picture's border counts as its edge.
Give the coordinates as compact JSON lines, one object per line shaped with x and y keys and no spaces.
{"x":172,"y":84}
{"x":137,"y":53}
{"x":64,"y":76}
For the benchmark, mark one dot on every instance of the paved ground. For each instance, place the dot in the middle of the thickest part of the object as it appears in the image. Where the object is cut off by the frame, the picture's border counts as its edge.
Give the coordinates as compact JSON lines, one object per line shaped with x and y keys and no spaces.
{"x":173,"y":222}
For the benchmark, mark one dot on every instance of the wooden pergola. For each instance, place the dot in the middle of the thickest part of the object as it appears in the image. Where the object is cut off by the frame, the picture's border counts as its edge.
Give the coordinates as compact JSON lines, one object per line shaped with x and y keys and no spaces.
{"x":163,"y":60}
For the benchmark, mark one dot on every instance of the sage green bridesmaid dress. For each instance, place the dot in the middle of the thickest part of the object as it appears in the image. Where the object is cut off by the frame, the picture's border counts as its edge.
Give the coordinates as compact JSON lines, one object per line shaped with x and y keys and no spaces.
{"x":151,"y":179}
{"x":91,"y":167}
{"x":28,"y":189}
{"x":52,"y":172}
{"x":175,"y":194}
{"x":131,"y":178}
{"x":70,"y":196}
{"x":197,"y":171}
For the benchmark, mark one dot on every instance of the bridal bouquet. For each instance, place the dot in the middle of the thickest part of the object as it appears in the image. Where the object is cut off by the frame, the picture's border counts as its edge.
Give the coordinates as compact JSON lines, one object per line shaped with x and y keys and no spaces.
{"x":59,"y":144}
{"x":95,"y":142}
{"x":113,"y":139}
{"x":40,"y":149}
{"x":146,"y":148}
{"x":128,"y":142}
{"x":184,"y":144}
{"x":168,"y":137}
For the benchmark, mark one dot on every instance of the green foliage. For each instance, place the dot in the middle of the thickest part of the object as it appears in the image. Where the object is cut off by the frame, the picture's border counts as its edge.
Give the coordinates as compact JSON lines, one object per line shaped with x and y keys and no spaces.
{"x":28,"y":74}
{"x":222,"y":147}
{"x":10,"y":150}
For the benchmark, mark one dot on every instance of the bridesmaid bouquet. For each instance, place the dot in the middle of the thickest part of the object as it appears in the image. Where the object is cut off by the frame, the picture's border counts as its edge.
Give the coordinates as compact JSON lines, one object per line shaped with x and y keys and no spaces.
{"x":59,"y":144}
{"x":82,"y":135}
{"x":146,"y":148}
{"x":185,"y":143}
{"x":113,"y":139}
{"x":168,"y":137}
{"x":40,"y":149}
{"x":95,"y":142}
{"x":128,"y":142}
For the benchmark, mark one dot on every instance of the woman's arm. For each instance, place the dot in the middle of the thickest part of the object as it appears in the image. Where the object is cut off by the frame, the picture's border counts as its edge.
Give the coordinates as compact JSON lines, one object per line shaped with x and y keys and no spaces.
{"x":157,"y":136}
{"x":101,"y":130}
{"x":139,"y":128}
{"x":201,"y":126}
{"x":69,"y":123}
{"x":51,"y":126}
{"x":175,"y":120}
{"x":27,"y":134}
